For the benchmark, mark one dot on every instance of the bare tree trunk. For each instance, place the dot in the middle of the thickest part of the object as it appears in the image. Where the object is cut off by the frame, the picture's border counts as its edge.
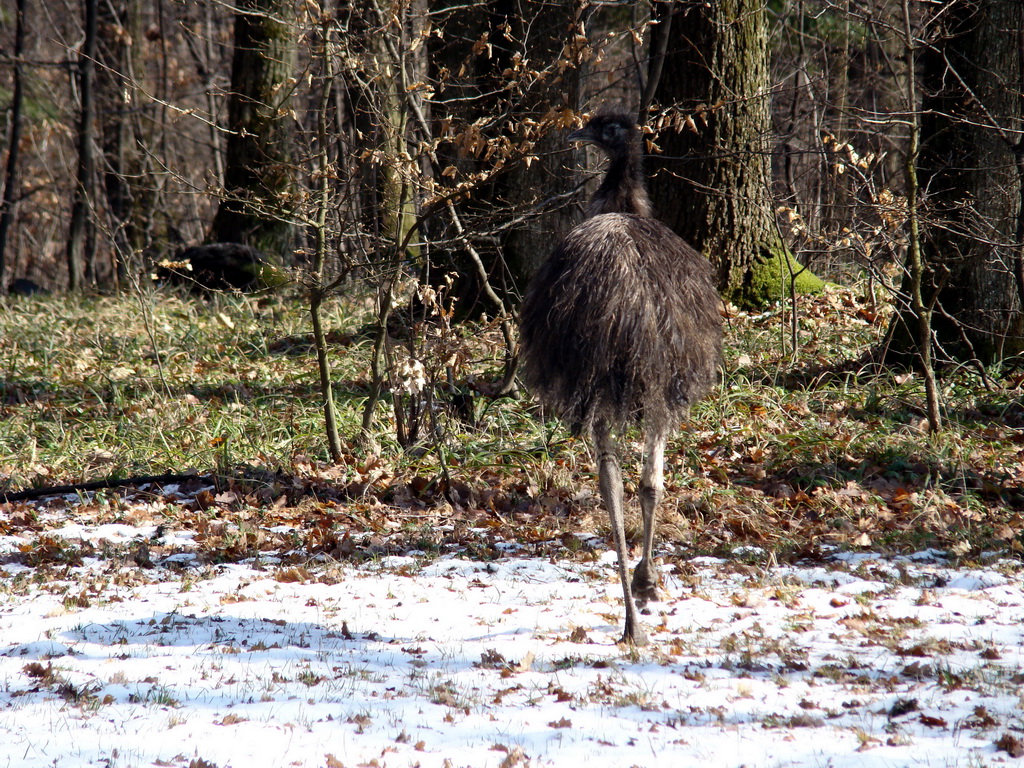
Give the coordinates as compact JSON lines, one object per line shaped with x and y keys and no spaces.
{"x":211,"y":97}
{"x":80,"y":245}
{"x":11,"y":181}
{"x":971,"y":122}
{"x":922,"y":312}
{"x":318,"y":289}
{"x":393,"y":62}
{"x":120,"y":30}
{"x":712,"y":182}
{"x":259,"y":170}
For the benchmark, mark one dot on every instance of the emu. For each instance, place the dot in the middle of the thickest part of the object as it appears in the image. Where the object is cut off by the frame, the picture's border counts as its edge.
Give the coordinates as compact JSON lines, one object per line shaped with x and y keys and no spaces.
{"x":621,"y":326}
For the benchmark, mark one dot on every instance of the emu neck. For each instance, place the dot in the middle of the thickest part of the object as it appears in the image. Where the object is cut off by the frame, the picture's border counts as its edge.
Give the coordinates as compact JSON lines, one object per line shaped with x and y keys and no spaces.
{"x":624,"y":189}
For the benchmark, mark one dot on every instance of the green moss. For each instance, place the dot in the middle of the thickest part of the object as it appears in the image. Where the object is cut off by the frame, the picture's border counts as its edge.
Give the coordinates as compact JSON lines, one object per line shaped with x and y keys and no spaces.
{"x":271,"y":276}
{"x":769,"y":280}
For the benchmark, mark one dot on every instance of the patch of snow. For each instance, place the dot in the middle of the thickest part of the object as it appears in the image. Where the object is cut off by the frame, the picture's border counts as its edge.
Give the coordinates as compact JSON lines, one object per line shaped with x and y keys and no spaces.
{"x":510,"y":662}
{"x":930,"y":555}
{"x":974,"y":580}
{"x":181,"y":559}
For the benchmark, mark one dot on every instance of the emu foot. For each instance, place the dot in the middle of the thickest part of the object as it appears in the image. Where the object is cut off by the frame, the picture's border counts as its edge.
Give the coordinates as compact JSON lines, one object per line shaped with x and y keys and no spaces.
{"x":634,"y":635}
{"x":645,"y":585}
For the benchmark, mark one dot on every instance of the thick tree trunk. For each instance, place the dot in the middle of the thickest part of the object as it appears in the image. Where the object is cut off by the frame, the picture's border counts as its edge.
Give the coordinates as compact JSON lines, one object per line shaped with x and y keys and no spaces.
{"x":80,"y":245}
{"x":712,"y":183}
{"x":971,"y":119}
{"x":11,"y":182}
{"x":259,"y":170}
{"x":120,"y":31}
{"x":397,"y":66}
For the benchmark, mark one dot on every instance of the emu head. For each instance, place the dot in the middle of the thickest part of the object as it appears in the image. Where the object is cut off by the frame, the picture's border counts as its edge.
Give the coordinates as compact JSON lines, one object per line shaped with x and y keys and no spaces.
{"x":612,"y":130}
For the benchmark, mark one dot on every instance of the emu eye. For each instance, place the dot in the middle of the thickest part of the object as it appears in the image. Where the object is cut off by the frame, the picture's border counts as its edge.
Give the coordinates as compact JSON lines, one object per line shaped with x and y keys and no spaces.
{"x":612,"y":131}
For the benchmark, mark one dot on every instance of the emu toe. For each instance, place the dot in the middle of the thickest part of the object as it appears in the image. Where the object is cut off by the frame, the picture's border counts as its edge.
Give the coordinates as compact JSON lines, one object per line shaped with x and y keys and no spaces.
{"x":645,"y":585}
{"x":634,"y":636}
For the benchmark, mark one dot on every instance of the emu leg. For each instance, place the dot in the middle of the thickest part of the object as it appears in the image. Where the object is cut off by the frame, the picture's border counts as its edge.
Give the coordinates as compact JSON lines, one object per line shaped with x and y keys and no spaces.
{"x":652,"y":486}
{"x":610,"y":481}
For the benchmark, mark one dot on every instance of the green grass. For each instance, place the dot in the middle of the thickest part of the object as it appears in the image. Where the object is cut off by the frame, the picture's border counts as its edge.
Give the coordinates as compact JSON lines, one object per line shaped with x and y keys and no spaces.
{"x":793,"y":452}
{"x":110,"y":386}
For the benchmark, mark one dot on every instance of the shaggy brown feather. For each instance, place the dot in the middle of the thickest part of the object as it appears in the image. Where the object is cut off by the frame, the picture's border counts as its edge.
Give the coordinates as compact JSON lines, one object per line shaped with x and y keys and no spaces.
{"x":621,"y":324}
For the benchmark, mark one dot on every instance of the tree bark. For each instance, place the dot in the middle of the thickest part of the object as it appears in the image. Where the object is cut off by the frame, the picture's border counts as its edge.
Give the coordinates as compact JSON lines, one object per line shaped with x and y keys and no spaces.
{"x":712,"y":181}
{"x":11,"y":180}
{"x":971,"y":118}
{"x":318,"y":289}
{"x":81,"y":244}
{"x":120,"y":32}
{"x":915,"y":264}
{"x":259,"y":170}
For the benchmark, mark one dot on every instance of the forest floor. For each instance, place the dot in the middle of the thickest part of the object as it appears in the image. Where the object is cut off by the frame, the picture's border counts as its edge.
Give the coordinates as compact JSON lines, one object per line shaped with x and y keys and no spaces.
{"x":841,"y":588}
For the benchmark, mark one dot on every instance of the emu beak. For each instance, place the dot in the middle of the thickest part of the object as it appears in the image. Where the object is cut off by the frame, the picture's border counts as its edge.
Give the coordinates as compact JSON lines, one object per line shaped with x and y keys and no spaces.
{"x":583,"y":134}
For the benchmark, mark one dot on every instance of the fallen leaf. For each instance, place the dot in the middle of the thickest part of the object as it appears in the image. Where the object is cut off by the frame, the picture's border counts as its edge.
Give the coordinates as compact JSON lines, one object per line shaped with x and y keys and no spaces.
{"x":526,"y":664}
{"x":491,"y":659}
{"x":916,"y":669}
{"x":1010,"y":744}
{"x":903,"y":707}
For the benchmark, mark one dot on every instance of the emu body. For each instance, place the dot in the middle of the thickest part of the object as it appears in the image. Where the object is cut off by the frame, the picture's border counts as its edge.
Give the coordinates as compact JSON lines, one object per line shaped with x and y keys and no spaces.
{"x":621,"y":326}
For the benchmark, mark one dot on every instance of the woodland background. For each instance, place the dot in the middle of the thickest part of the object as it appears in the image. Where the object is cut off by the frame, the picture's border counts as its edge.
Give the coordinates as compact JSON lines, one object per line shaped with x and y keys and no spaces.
{"x":410,"y":158}
{"x":354,"y":141}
